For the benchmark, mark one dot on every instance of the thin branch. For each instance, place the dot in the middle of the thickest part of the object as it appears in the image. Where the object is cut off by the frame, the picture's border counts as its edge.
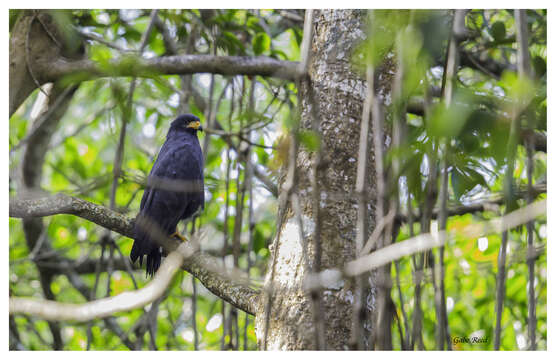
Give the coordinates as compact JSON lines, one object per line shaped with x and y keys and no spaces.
{"x":417,"y":259}
{"x":99,"y":39}
{"x":169,"y":43}
{"x":448,"y":88}
{"x":511,"y":152}
{"x":291,"y":16}
{"x":424,"y":242}
{"x":257,"y":171}
{"x":194,"y":314}
{"x":126,"y":117}
{"x":52,"y":310}
{"x":225,"y":246}
{"x":428,"y":241}
{"x":250,"y":236}
{"x":32,"y":164}
{"x":524,"y":72}
{"x":361,"y":184}
{"x":316,"y":178}
{"x":404,"y":340}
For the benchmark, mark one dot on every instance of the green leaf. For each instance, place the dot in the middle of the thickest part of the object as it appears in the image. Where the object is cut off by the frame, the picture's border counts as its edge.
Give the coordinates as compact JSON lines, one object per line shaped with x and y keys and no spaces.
{"x":464,"y":180}
{"x":253,"y":23}
{"x":14,"y":13}
{"x":498,"y":31}
{"x":261,"y":43}
{"x":231,"y":43}
{"x":310,"y":139}
{"x":539,"y":65}
{"x":447,"y":121}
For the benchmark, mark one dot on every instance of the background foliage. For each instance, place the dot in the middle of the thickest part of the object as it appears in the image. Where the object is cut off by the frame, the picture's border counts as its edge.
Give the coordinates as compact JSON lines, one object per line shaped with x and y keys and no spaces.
{"x":80,"y":161}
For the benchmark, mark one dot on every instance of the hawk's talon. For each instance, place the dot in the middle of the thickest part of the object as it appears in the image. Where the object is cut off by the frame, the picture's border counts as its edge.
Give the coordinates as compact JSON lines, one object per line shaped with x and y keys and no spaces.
{"x":179,"y":236}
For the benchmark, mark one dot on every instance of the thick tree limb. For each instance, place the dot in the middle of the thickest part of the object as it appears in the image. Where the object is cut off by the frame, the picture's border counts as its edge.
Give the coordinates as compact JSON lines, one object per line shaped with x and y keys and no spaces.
{"x":202,"y":266}
{"x":169,"y":65}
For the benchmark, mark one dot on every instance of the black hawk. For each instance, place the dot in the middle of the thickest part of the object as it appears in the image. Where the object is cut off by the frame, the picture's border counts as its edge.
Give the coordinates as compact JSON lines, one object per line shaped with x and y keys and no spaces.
{"x":174,"y":191}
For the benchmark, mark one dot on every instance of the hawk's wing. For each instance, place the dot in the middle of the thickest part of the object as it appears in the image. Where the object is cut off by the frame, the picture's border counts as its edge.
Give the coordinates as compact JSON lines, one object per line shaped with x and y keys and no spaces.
{"x":175,"y":192}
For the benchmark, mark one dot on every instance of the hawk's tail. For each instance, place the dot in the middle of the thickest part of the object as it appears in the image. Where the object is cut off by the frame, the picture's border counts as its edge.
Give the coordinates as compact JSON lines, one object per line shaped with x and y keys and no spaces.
{"x":143,"y":245}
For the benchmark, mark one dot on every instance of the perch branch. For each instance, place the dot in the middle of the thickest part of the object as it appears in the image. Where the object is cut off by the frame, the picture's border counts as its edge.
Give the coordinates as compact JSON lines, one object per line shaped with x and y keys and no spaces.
{"x":218,"y":280}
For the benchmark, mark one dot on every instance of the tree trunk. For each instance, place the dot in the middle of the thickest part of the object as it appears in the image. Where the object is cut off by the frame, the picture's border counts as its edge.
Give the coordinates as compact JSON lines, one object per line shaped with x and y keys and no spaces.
{"x":339,"y":92}
{"x":38,"y":38}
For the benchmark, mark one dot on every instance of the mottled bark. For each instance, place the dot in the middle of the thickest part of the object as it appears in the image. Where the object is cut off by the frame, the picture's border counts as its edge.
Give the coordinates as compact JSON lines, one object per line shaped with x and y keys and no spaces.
{"x":37,"y":40}
{"x":339,"y":91}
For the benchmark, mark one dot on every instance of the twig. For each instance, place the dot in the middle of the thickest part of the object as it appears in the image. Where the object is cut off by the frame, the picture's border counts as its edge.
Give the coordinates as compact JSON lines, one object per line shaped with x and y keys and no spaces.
{"x":405,"y":339}
{"x":418,"y":260}
{"x":508,"y":192}
{"x":448,"y":84}
{"x":360,"y":294}
{"x":250,"y":215}
{"x":81,"y":127}
{"x":259,"y":174}
{"x":94,"y":37}
{"x":287,"y":191}
{"x":524,"y":72}
{"x":317,"y":167}
{"x":209,"y":117}
{"x":225,"y":320}
{"x":194,"y":314}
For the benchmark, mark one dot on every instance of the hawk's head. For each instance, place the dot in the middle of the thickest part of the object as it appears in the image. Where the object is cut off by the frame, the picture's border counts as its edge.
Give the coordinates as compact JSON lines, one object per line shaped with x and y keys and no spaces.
{"x":187,"y":122}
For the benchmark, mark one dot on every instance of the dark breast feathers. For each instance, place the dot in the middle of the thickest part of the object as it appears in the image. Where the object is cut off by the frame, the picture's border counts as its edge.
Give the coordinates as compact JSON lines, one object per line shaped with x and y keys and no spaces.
{"x":174,"y":192}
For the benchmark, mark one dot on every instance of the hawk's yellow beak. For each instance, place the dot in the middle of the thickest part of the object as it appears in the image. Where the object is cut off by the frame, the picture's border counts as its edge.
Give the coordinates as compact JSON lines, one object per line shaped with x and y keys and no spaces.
{"x":195,"y":125}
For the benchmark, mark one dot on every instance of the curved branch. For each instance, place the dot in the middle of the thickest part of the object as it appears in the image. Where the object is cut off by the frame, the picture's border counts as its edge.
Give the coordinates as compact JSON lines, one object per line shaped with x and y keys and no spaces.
{"x":229,"y":287}
{"x":428,"y":241}
{"x":129,"y":300}
{"x":424,"y":242}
